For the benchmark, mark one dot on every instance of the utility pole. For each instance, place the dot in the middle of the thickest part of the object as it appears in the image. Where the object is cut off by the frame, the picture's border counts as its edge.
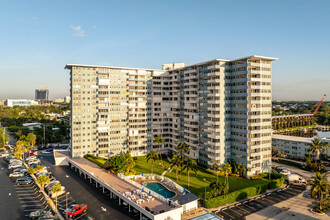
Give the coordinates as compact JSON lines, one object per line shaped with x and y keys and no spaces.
{"x":44,"y":139}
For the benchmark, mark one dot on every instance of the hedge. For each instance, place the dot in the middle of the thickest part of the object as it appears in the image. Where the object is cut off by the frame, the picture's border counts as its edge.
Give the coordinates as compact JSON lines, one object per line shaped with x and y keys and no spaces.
{"x":236,"y":195}
{"x":94,"y":160}
{"x":277,"y":179}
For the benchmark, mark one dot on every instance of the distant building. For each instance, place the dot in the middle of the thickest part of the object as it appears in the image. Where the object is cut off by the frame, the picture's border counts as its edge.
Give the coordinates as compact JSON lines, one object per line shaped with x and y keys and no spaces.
{"x":2,"y":102}
{"x":59,"y":100}
{"x":67,"y":99}
{"x":41,"y":94}
{"x":33,"y":125}
{"x":20,"y":102}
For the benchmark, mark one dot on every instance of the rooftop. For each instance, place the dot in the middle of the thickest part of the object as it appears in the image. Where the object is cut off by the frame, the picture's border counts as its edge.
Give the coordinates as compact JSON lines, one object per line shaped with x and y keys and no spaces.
{"x":291,"y":138}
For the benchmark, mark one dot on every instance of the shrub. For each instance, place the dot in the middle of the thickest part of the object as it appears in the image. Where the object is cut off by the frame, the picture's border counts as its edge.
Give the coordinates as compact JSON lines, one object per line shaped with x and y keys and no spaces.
{"x":256,"y":177}
{"x":236,"y":195}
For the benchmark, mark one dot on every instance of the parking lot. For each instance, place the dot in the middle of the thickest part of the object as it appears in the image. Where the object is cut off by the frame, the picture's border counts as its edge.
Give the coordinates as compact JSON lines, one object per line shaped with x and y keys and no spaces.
{"x":249,"y":206}
{"x":100,"y":207}
{"x":17,"y":201}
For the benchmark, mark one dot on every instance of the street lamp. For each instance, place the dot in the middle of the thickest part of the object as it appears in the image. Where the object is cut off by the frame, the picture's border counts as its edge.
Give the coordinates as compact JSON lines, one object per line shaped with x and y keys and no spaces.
{"x":66,"y":204}
{"x":205,"y":190}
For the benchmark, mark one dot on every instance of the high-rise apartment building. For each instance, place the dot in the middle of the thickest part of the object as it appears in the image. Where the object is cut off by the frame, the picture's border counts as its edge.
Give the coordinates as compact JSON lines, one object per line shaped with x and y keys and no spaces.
{"x":41,"y":94}
{"x":220,"y":108}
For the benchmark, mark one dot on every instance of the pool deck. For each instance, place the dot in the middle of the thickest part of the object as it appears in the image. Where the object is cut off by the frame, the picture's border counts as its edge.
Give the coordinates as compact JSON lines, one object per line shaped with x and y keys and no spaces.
{"x":140,"y":181}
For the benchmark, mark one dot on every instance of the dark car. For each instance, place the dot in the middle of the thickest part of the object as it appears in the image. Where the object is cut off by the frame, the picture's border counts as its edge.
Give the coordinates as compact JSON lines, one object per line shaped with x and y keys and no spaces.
{"x":24,"y":180}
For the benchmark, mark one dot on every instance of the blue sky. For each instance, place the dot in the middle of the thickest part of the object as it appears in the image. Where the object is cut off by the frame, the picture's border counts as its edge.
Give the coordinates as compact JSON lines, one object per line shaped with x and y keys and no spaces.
{"x":38,"y":37}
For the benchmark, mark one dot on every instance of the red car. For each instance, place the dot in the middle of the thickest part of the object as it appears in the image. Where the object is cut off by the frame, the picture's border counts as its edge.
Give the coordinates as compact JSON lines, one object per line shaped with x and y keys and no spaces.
{"x":77,"y":210}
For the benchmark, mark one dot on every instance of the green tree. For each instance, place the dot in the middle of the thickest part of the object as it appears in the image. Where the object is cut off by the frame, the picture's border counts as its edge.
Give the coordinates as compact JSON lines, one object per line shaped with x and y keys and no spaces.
{"x":1,"y":138}
{"x":316,"y":147}
{"x":42,"y":180}
{"x":319,"y":188}
{"x":226,"y":169}
{"x":20,"y":149}
{"x":31,"y":170}
{"x":183,"y":147}
{"x":190,"y":165}
{"x":216,"y":167}
{"x":30,"y":140}
{"x":241,"y":169}
{"x":160,"y":140}
{"x":117,"y":163}
{"x":38,"y":169}
{"x":218,"y":188}
{"x":56,"y":189}
{"x":130,"y":162}
{"x":176,"y":163}
{"x":153,"y":156}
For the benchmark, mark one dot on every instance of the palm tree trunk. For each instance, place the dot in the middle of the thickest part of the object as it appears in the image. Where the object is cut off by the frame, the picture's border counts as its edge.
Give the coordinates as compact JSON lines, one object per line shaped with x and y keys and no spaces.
{"x":188,"y":178}
{"x":161,"y":161}
{"x":152,"y":167}
{"x":176,"y":173}
{"x":217,"y":177}
{"x":56,"y":204}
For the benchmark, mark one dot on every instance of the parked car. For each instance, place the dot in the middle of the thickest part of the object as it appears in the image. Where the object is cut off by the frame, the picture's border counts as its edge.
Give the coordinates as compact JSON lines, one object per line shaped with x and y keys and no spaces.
{"x":77,"y":210}
{"x":40,"y":213}
{"x":14,"y":165}
{"x":70,"y":207}
{"x":12,"y":160}
{"x":295,"y":178}
{"x":4,"y":155}
{"x":31,"y":158}
{"x":33,"y":161}
{"x":7,"y":159}
{"x":16,"y":174}
{"x":285,"y":172}
{"x":20,"y":169}
{"x":24,"y":180}
{"x":34,"y":165}
{"x":298,"y":183}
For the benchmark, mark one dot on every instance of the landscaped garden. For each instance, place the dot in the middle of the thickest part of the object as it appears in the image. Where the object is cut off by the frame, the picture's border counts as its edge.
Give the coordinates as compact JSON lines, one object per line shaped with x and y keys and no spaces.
{"x":197,"y":184}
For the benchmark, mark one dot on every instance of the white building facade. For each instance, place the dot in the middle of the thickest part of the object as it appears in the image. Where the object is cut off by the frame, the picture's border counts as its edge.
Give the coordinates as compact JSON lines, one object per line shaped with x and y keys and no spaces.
{"x":220,"y":108}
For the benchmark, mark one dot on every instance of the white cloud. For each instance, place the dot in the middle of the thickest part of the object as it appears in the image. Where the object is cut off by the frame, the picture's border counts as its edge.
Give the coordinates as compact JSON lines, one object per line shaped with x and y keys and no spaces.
{"x":78,"y":31}
{"x":94,"y":26}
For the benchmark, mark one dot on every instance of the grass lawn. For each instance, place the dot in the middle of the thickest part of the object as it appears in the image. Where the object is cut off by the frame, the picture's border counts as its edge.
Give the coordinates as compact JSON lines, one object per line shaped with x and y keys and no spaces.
{"x":196,"y":180}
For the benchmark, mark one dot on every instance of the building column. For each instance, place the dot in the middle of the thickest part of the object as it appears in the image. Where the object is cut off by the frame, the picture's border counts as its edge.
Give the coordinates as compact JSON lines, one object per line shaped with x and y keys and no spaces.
{"x":90,"y":180}
{"x":129,"y":208}
{"x":96,"y":184}
{"x":110,"y":195}
{"x":119,"y":201}
{"x":103,"y":189}
{"x":140,"y":215}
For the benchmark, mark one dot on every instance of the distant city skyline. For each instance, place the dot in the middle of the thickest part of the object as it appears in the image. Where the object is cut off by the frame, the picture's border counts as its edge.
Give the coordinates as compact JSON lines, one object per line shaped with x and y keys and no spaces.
{"x":36,"y":43}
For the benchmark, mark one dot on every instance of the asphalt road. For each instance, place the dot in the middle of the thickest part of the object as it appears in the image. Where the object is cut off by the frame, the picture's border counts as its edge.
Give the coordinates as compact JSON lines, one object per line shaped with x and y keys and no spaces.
{"x":81,"y":191}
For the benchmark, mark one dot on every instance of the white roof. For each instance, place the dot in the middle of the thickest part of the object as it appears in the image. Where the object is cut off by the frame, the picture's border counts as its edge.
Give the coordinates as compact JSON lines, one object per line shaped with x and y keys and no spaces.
{"x":256,"y":56}
{"x":68,"y":66}
{"x":291,"y":138}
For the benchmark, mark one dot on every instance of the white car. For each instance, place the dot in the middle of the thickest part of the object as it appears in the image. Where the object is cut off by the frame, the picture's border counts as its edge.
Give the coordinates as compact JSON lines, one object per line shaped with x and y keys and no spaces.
{"x":20,"y":170}
{"x":285,"y":172}
{"x":46,"y":152}
{"x":53,"y":195}
{"x":4,"y":155}
{"x":16,"y":174}
{"x":33,"y":161}
{"x":14,"y":165}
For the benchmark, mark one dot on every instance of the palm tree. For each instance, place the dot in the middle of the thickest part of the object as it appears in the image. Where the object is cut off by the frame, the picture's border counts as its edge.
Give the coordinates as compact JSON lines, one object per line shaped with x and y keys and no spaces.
{"x":30,"y":141}
{"x":176,"y":162}
{"x":219,"y":188}
{"x":20,"y":149}
{"x":153,"y":155}
{"x":183,"y":147}
{"x":319,"y":187}
{"x":190,"y":165}
{"x":159,"y":140}
{"x":55,"y":190}
{"x":226,"y":168}
{"x":316,"y":147}
{"x":216,"y":167}
{"x":241,"y":169}
{"x":42,"y":180}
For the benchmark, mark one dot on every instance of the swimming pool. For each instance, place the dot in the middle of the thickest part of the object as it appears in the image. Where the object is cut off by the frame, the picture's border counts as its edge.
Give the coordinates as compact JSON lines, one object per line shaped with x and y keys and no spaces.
{"x":160,"y":189}
{"x":207,"y":216}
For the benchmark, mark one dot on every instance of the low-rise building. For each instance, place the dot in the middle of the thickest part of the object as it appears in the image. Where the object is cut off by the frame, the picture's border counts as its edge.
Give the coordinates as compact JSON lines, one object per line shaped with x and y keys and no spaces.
{"x":20,"y":102}
{"x":295,"y":147}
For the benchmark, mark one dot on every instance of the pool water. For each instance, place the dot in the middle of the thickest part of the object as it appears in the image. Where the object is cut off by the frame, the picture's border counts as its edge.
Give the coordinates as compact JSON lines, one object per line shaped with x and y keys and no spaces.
{"x":207,"y":216}
{"x":160,"y":189}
